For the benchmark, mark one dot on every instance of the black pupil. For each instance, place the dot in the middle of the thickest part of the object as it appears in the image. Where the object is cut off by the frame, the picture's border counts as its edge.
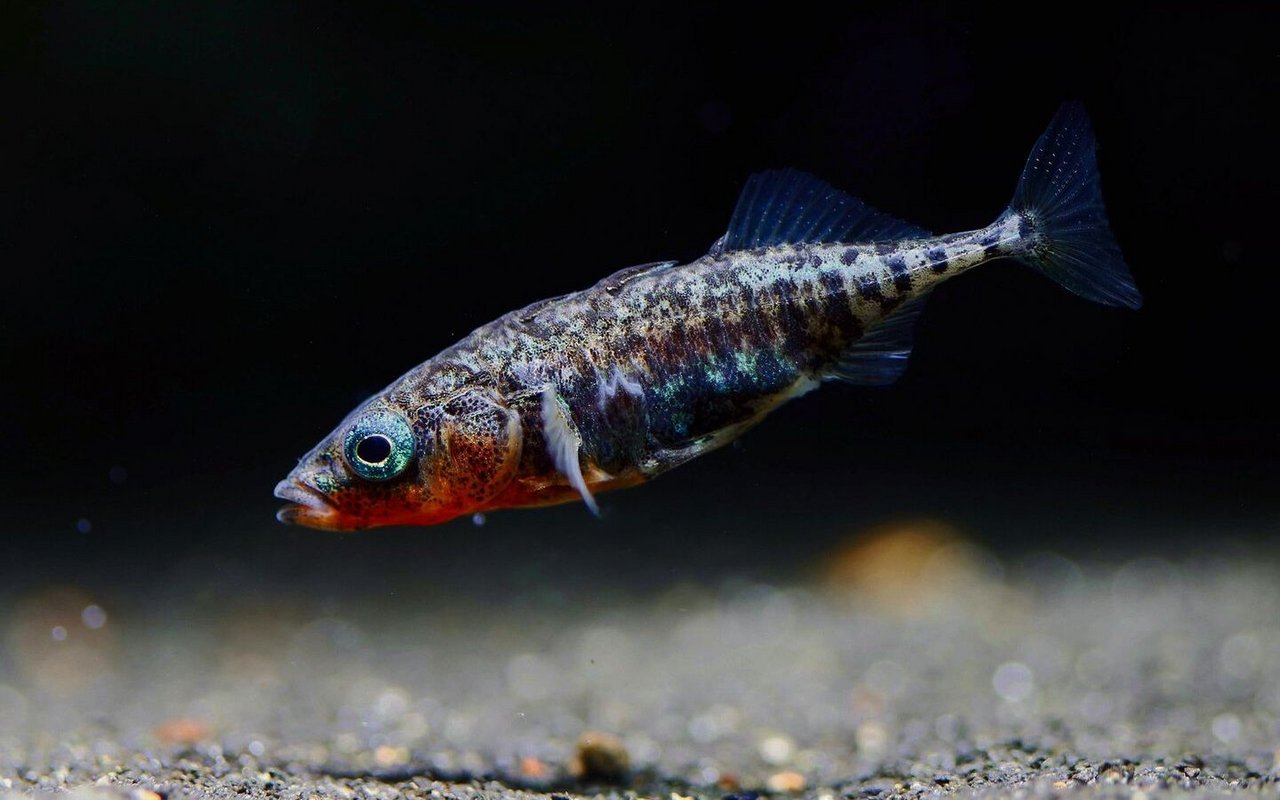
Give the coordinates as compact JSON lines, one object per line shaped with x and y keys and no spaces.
{"x":374,"y":449}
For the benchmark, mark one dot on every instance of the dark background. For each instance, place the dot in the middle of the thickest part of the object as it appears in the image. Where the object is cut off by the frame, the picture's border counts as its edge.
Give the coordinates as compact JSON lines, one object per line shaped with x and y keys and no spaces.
{"x":222,"y":226}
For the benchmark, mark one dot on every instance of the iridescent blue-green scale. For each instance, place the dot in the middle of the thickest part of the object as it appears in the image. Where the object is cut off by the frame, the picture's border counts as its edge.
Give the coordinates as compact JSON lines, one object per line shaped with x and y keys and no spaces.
{"x":662,"y":361}
{"x":723,"y":347}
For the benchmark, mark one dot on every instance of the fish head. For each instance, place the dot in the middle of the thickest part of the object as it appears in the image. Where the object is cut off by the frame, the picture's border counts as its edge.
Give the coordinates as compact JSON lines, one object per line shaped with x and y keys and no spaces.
{"x":396,"y":461}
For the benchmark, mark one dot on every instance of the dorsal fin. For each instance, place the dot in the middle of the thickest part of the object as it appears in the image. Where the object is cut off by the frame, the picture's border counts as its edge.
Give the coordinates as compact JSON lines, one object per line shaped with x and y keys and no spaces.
{"x":880,"y":357}
{"x":792,"y":207}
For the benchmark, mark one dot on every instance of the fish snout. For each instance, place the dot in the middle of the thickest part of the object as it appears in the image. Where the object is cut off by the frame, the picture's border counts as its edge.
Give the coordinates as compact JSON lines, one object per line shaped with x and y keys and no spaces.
{"x":307,"y":505}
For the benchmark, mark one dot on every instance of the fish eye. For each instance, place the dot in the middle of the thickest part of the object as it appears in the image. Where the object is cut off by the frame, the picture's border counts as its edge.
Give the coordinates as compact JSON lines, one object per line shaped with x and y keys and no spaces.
{"x":374,"y":449}
{"x":379,"y":445}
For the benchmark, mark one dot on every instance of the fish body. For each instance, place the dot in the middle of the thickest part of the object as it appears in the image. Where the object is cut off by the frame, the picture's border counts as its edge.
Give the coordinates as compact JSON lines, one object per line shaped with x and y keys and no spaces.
{"x":658,"y":363}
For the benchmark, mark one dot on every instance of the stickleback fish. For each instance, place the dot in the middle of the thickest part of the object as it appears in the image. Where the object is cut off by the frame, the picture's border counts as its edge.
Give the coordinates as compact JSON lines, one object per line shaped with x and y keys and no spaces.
{"x":659,"y":363}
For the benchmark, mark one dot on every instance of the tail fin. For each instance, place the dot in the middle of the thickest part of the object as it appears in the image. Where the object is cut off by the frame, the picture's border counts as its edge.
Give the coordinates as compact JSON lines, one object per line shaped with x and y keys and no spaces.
{"x":1059,"y":201}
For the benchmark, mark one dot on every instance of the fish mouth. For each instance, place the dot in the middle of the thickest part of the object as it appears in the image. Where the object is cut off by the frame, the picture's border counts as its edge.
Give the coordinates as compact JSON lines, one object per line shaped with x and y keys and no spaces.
{"x":307,"y":505}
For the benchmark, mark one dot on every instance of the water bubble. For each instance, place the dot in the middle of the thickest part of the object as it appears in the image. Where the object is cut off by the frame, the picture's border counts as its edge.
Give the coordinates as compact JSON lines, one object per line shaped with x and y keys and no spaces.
{"x":478,"y":519}
{"x":1013,"y":681}
{"x":93,"y":617}
{"x":257,"y":748}
{"x":58,"y":633}
{"x":83,"y":525}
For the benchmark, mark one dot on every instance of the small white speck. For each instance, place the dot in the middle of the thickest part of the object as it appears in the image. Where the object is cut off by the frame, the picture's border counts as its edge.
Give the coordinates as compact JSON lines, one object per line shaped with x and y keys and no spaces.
{"x":478,"y":520}
{"x":93,"y":617}
{"x":59,"y":633}
{"x":257,"y":748}
{"x":83,"y":525}
{"x":1013,"y":681}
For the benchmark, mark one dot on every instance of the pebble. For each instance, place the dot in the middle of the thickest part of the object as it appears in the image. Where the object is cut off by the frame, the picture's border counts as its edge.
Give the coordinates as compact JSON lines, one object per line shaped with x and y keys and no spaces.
{"x":387,"y":756}
{"x":795,"y":689}
{"x":776,"y":749}
{"x":533,"y":768}
{"x":786,"y":781}
{"x":183,"y":730}
{"x":600,"y":757}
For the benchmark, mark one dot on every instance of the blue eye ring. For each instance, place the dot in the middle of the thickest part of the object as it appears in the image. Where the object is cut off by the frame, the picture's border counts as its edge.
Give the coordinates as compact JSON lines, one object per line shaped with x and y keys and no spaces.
{"x":379,"y":445}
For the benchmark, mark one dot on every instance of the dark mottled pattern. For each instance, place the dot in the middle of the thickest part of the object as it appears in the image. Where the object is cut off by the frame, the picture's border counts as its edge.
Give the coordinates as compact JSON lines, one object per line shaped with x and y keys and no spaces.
{"x":658,"y":362}
{"x":901,"y":275}
{"x":646,"y":369}
{"x":642,"y":377}
{"x":837,"y":309}
{"x":937,"y":258}
{"x":868,"y":288}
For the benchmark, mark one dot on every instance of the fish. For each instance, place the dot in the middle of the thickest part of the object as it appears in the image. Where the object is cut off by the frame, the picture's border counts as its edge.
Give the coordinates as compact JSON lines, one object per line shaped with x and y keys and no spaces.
{"x":659,"y":363}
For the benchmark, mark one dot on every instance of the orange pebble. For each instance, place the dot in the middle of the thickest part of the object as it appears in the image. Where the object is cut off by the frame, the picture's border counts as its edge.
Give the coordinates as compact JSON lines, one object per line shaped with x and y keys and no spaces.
{"x":531,"y":767}
{"x":183,"y":730}
{"x":786,"y":781}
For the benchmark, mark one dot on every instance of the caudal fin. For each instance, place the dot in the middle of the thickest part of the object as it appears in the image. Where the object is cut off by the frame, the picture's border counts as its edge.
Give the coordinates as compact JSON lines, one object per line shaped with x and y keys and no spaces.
{"x":1059,"y":200}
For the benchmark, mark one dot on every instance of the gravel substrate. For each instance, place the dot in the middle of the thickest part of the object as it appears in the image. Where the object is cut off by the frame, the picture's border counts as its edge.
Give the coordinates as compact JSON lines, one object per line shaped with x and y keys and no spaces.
{"x":916,"y":666}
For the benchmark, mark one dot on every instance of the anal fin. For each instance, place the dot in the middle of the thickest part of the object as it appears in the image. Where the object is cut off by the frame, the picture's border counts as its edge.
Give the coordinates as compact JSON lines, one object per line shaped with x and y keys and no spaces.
{"x":880,"y":357}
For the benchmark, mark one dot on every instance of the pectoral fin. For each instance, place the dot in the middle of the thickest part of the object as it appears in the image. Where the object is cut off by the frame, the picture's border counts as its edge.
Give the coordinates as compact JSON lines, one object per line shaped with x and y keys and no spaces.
{"x":563,"y":444}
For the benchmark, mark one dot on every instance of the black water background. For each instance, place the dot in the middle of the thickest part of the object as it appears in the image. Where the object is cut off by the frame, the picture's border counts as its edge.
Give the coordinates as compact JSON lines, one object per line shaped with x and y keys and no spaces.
{"x":222,"y":227}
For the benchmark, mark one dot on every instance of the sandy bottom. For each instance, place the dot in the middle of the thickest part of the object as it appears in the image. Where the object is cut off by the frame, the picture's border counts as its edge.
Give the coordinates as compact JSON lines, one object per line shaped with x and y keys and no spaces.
{"x":909,"y":664}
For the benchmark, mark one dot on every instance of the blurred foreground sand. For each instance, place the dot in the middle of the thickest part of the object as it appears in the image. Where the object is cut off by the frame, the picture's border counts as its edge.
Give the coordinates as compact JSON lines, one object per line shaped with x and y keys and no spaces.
{"x":909,"y":663}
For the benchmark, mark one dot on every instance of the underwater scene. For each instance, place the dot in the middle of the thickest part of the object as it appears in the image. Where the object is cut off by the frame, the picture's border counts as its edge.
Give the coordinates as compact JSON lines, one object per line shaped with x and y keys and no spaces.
{"x":670,"y":402}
